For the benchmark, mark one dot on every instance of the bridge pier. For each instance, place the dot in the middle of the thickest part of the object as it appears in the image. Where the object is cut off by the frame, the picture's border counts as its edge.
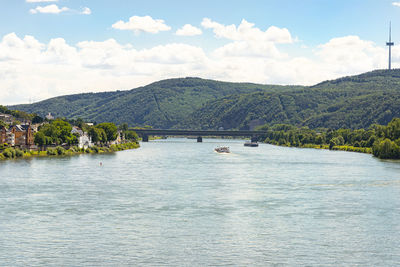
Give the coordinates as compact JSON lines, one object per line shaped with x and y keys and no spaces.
{"x":145,"y":138}
{"x":199,"y":139}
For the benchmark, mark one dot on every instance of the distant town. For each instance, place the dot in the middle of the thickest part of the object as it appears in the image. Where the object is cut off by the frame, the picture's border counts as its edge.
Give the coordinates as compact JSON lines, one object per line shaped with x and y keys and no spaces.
{"x":23,"y":134}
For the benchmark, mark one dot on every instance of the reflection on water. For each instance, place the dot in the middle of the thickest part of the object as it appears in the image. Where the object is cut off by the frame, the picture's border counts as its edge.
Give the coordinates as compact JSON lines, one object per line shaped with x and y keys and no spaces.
{"x":177,"y":202}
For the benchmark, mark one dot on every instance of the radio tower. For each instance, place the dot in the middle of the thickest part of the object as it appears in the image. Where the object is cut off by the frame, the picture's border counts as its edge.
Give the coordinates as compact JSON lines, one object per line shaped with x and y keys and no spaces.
{"x":390,"y":44}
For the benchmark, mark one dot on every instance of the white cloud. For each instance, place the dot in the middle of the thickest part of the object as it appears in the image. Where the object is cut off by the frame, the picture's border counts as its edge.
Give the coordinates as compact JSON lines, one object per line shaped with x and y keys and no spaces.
{"x":188,"y":30}
{"x":86,"y":11}
{"x":350,"y":54}
{"x":142,"y":24}
{"x":249,"y":41}
{"x":247,"y":32}
{"x":50,"y":9}
{"x":31,"y":69}
{"x":40,"y":1}
{"x":396,"y":4}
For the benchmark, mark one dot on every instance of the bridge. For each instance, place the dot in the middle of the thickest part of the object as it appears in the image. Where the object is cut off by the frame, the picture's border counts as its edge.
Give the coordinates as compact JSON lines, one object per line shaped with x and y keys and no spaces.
{"x":145,"y":133}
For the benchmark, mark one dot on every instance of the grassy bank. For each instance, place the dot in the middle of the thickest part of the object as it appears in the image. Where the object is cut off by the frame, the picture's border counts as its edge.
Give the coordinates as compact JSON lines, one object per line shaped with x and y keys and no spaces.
{"x":11,"y":153}
{"x":367,"y":150}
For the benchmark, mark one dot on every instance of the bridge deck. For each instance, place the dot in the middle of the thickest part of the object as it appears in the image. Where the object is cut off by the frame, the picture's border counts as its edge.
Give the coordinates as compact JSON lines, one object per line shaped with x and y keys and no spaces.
{"x":197,"y":132}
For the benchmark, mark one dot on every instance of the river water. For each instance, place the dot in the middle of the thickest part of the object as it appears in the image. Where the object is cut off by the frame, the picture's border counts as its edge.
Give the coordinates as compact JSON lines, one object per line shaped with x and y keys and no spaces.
{"x":175,"y":202}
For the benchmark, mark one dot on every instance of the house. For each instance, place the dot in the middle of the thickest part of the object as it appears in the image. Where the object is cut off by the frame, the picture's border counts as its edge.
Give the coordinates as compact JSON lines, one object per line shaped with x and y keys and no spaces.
{"x":7,"y":136}
{"x":17,"y":135}
{"x":84,"y":140}
{"x":6,"y":118}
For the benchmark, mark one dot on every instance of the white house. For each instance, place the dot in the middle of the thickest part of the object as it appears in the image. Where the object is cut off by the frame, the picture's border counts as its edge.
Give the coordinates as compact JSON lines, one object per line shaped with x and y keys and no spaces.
{"x":84,"y":141}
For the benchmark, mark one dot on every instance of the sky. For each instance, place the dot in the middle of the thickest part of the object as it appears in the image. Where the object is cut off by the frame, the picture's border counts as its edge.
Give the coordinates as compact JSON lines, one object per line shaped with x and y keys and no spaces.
{"x":50,"y":48}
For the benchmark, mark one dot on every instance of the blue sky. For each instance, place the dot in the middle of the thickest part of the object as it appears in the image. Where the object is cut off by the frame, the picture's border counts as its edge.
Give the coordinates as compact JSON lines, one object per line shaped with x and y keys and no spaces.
{"x":51,"y":48}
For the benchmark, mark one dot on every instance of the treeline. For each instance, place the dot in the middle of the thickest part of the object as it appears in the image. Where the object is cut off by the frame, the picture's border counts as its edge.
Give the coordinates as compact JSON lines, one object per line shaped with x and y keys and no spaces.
{"x":59,"y":132}
{"x":382,"y":141}
{"x":11,"y":153}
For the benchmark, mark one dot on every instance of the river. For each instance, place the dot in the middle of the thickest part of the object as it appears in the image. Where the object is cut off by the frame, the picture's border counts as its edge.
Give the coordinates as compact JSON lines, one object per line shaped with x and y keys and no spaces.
{"x":176,"y":202}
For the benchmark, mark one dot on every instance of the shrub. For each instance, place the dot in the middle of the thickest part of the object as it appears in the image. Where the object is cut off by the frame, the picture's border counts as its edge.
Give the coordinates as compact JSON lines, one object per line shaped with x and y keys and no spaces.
{"x":9,"y":153}
{"x":60,"y":150}
{"x":51,"y":152}
{"x":19,"y":153}
{"x":386,"y":149}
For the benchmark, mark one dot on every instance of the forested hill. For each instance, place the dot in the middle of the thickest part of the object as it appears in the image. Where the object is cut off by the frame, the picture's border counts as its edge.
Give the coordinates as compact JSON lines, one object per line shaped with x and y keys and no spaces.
{"x":349,"y":102}
{"x":161,"y":104}
{"x":193,"y":103}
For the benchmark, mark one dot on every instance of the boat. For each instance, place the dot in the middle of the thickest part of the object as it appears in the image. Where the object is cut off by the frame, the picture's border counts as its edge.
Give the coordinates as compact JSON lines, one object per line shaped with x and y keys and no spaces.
{"x":252,"y":144}
{"x":222,"y":149}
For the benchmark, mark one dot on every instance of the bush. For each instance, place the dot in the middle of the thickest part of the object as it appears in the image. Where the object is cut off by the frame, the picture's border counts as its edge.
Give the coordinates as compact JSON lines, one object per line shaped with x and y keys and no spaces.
{"x":19,"y":153}
{"x":386,"y":149}
{"x":60,"y":150}
{"x":51,"y":152}
{"x":9,"y":153}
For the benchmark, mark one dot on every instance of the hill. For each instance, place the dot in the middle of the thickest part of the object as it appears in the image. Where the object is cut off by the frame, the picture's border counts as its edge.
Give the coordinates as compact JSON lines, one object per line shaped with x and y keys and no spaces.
{"x":161,"y":104}
{"x":349,"y":102}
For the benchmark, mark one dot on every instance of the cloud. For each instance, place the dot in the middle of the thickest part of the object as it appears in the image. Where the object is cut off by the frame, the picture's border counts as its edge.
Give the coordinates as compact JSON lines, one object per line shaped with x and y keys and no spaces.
{"x":188,"y":30}
{"x":32,"y":69}
{"x":142,"y":24}
{"x":248,"y":40}
{"x":396,"y":4}
{"x":247,"y":32}
{"x":50,"y":9}
{"x":40,"y":1}
{"x":350,"y":54}
{"x":86,"y":11}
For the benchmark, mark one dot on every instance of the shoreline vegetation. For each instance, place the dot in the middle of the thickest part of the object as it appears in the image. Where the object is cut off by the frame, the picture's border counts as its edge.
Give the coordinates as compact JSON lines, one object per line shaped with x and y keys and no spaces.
{"x":57,"y":137}
{"x":69,"y":137}
{"x":380,"y":140}
{"x":14,"y":153}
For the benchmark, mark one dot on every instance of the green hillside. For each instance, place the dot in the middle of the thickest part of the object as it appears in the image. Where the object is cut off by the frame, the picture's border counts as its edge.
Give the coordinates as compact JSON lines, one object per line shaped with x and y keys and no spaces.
{"x":194,"y":103}
{"x":161,"y":104}
{"x":349,"y":102}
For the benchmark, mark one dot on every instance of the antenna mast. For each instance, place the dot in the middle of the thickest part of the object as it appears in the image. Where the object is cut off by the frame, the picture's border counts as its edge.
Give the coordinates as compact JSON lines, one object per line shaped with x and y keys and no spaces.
{"x":390,"y":44}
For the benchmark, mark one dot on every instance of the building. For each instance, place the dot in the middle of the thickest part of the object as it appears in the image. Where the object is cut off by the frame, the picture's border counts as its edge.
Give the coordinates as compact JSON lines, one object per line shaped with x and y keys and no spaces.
{"x":49,"y":116}
{"x":84,"y":140}
{"x":7,"y":136}
{"x":18,"y":135}
{"x":6,"y":118}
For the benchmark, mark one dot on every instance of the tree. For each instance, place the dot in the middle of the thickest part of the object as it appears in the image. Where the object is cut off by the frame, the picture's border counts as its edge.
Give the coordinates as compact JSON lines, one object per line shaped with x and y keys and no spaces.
{"x":97,"y":135}
{"x":131,"y":135}
{"x":110,"y":129}
{"x":40,"y":139}
{"x":37,"y":119}
{"x":123,"y":127}
{"x":94,"y":134}
{"x":64,"y":129}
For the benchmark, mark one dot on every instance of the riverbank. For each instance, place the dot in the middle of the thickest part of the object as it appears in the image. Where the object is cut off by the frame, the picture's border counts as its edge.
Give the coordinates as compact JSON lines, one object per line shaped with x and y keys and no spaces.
{"x":366,"y":150}
{"x":11,"y":153}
